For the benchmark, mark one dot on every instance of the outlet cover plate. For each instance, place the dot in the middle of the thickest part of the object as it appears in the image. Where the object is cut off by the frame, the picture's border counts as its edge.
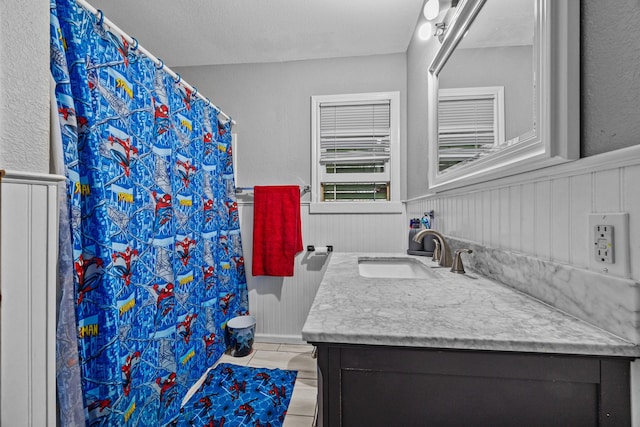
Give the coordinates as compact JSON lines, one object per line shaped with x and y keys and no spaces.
{"x":620,"y":222}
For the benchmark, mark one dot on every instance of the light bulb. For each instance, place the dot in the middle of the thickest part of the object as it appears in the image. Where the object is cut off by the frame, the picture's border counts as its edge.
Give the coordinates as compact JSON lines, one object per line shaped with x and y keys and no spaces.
{"x":431,"y":9}
{"x":425,"y":31}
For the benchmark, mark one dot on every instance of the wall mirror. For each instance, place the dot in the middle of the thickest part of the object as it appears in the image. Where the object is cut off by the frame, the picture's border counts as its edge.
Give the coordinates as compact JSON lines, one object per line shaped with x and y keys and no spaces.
{"x":504,"y":91}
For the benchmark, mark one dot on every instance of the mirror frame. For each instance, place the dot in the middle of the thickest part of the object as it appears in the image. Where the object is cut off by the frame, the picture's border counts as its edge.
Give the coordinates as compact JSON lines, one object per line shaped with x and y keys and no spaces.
{"x":556,"y":134}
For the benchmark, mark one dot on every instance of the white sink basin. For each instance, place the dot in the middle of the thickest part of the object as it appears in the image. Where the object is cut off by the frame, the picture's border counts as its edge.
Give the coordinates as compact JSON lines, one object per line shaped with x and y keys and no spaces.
{"x":393,"y":268}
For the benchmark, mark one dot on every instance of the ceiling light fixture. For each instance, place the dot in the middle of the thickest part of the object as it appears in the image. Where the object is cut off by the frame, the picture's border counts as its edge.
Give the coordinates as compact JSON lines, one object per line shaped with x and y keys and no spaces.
{"x":425,"y":31}
{"x":441,"y":28}
{"x":431,"y":9}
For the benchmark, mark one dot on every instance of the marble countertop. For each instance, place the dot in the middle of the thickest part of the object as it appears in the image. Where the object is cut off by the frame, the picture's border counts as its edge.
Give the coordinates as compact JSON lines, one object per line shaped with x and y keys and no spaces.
{"x":449,"y":311}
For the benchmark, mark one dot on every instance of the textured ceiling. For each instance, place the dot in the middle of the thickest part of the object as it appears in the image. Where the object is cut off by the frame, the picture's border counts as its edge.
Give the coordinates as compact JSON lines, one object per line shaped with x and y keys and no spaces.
{"x":206,"y":32}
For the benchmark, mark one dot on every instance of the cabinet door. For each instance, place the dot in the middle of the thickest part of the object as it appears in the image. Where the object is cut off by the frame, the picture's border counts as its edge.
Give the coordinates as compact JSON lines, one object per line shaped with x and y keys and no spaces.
{"x":396,"y":386}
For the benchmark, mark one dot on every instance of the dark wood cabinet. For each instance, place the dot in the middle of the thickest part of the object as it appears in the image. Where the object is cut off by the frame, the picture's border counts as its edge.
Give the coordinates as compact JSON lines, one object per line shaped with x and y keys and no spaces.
{"x":362,"y":385}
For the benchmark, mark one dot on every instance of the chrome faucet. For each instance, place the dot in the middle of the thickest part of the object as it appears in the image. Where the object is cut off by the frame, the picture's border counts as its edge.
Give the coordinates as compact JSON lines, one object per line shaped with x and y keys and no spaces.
{"x":445,"y":252}
{"x":457,"y":266}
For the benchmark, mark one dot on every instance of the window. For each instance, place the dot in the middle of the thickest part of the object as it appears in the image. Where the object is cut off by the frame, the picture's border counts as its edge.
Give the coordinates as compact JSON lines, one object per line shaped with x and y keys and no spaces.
{"x":355,"y":146}
{"x":470,"y":124}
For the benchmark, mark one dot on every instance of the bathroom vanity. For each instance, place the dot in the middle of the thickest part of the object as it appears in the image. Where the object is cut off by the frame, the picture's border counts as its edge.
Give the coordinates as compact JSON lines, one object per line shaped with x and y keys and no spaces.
{"x":429,"y":347}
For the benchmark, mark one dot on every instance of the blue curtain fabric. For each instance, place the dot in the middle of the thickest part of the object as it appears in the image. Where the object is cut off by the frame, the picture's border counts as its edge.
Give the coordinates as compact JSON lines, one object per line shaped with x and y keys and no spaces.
{"x":156,"y":246}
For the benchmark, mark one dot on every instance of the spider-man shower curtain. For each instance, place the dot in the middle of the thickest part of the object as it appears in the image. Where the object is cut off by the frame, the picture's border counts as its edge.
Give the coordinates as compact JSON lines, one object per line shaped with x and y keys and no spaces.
{"x":157,"y":256}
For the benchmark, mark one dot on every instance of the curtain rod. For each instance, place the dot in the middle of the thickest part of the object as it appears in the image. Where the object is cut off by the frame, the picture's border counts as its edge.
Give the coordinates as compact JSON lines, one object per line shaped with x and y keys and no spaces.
{"x":159,"y":62}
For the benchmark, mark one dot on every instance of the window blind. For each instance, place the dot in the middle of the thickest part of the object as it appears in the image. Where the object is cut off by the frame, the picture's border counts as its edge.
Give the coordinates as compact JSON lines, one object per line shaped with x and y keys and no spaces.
{"x":362,"y":191}
{"x":355,"y":147}
{"x":355,"y":137}
{"x":466,"y":128}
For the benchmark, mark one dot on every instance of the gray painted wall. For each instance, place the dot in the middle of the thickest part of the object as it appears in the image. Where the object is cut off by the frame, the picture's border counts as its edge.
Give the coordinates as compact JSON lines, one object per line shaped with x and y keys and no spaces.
{"x":419,"y":55}
{"x":510,"y":67}
{"x":24,"y":85}
{"x":610,"y":73}
{"x":272,"y":102}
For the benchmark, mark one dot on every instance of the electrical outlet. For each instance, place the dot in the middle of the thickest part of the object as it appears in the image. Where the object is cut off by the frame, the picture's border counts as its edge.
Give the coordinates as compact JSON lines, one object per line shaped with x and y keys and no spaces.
{"x":609,"y":241}
{"x":603,"y":243}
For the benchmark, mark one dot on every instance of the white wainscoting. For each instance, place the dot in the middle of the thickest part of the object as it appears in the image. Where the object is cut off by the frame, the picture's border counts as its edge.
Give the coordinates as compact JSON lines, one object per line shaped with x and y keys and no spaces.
{"x":28,"y":257}
{"x":281,"y":304}
{"x":545,"y":214}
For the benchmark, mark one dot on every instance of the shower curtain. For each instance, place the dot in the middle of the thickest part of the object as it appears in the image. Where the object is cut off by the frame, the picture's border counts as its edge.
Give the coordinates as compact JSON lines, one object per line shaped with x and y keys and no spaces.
{"x":155,"y":238}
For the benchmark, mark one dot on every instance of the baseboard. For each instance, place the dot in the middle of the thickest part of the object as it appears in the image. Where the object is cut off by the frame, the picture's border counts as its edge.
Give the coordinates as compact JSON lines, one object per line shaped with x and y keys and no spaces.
{"x":280,"y":339}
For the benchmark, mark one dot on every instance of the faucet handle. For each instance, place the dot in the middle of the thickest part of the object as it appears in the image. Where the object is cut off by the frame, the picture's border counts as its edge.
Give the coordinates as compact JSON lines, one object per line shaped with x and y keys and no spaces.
{"x":436,"y":251}
{"x":457,"y":266}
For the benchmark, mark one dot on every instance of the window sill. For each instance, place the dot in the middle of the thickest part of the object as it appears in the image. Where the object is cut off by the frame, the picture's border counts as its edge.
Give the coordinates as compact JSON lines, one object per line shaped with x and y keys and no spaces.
{"x":355,"y":208}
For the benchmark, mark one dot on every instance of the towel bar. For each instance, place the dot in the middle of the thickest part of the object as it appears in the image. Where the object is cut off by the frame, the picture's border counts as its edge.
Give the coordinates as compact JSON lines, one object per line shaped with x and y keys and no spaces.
{"x":242,"y":190}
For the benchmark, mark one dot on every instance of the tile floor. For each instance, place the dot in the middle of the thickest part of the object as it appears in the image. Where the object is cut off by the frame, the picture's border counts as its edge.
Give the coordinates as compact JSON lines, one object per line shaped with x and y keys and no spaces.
{"x":288,"y":356}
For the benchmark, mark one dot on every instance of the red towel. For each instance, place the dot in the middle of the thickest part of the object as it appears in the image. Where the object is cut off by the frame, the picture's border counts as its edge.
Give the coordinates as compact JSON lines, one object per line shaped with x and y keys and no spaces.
{"x":277,"y":229}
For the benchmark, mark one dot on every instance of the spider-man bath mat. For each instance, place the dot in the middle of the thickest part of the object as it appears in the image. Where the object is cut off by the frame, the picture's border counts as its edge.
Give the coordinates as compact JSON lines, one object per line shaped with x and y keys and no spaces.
{"x":233,"y":395}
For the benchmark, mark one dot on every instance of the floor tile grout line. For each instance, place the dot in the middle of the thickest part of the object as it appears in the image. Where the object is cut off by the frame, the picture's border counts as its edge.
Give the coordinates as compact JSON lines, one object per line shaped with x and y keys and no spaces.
{"x":280,"y":349}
